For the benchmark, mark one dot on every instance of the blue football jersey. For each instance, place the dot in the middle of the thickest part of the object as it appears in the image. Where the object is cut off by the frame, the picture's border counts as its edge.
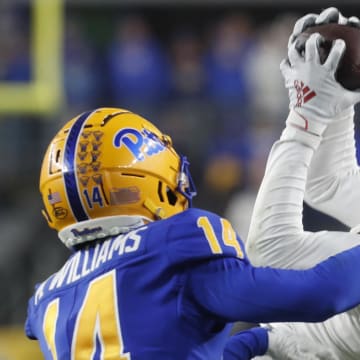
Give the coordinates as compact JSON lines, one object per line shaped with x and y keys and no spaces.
{"x":126,"y":297}
{"x":172,"y":288}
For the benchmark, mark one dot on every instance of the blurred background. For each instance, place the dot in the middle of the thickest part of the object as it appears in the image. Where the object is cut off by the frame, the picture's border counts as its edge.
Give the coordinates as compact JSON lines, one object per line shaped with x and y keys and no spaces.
{"x":205,"y":72}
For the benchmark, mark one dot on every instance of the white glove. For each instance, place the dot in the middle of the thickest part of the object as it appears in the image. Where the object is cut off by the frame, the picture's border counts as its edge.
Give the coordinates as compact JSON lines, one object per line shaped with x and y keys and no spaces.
{"x":304,"y":118}
{"x":314,"y":93}
{"x":286,"y":345}
{"x":329,"y":15}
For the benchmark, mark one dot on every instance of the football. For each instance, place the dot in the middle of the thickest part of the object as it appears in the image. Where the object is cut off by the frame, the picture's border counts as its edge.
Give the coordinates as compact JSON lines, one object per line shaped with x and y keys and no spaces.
{"x":348,"y":72}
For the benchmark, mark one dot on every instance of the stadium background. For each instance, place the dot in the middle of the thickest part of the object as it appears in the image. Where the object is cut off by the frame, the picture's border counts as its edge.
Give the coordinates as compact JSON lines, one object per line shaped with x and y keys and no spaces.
{"x":206,"y":72}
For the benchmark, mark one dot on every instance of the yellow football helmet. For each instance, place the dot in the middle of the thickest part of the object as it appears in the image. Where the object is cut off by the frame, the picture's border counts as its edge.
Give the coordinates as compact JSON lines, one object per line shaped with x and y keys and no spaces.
{"x":109,"y":170}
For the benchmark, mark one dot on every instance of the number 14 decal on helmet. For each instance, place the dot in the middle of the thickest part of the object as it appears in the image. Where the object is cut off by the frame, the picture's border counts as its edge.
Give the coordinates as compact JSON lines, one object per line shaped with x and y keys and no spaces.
{"x":94,"y":198}
{"x":100,"y":302}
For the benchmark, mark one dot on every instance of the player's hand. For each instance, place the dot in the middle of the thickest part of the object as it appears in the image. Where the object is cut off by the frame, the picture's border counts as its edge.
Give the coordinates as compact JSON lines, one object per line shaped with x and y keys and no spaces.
{"x":285,"y":345}
{"x":314,"y":93}
{"x":329,"y":15}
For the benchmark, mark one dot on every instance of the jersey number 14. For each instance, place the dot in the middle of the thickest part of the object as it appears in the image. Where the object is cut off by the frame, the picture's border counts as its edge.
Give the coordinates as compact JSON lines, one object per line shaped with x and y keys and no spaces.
{"x":100,"y":302}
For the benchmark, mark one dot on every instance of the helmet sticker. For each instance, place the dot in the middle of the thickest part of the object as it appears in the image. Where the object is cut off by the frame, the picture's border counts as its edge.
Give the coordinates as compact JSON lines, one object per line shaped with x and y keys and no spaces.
{"x":122,"y":196}
{"x":54,"y":198}
{"x":139,"y":143}
{"x":96,"y":145}
{"x":93,"y":197}
{"x":84,"y":180}
{"x":60,"y":212}
{"x":83,"y":145}
{"x":86,"y":134}
{"x":95,"y":155}
{"x":98,"y":135}
{"x":95,"y":166}
{"x":97,"y":179}
{"x":82,"y":168}
{"x":82,"y":155}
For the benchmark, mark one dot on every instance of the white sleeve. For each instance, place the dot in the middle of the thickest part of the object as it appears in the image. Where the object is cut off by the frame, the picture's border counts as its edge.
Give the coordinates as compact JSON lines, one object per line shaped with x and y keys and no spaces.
{"x":285,"y":344}
{"x":276,"y":235}
{"x":333,"y":184}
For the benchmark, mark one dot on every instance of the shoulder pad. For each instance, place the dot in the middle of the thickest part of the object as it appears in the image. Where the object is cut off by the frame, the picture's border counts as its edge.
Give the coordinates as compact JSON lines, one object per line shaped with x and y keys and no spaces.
{"x":197,"y":234}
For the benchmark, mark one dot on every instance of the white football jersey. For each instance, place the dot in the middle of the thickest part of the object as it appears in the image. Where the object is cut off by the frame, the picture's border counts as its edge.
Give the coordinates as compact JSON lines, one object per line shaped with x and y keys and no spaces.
{"x":277,"y":238}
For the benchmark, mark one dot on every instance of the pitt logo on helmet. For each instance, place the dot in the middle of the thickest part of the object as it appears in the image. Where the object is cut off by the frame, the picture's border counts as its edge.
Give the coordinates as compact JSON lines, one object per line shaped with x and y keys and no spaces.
{"x":139,"y":142}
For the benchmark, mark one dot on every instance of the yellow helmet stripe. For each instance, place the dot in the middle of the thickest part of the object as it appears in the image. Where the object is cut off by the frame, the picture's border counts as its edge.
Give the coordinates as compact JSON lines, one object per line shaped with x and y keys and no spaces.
{"x":69,"y":172}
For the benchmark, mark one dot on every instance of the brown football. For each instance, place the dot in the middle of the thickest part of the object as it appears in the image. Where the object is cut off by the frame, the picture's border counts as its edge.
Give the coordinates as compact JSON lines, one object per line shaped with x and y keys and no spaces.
{"x":348,"y":72}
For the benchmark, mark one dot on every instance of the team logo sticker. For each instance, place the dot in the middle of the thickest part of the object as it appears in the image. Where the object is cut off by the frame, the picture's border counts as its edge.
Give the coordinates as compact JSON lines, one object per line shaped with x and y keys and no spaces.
{"x":60,"y":212}
{"x":139,"y":143}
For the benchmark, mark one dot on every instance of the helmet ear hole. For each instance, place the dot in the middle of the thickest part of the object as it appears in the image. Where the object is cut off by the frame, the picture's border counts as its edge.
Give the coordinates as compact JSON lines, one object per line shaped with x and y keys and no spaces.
{"x":168,"y":194}
{"x":171,"y":196}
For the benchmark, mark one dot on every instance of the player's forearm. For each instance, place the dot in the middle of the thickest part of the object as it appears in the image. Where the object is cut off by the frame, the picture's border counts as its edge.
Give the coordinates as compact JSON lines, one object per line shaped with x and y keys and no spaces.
{"x":334,"y":176}
{"x":278,"y":209}
{"x":336,"y":152}
{"x":338,"y":196}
